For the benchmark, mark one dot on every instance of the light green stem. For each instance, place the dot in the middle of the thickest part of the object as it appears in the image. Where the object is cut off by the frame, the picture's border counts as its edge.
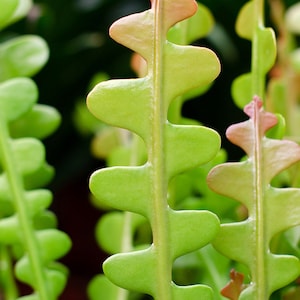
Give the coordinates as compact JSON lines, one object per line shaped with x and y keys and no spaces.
{"x":159,"y":220}
{"x":122,"y":294}
{"x":17,"y":190}
{"x":258,"y":88}
{"x":216,"y":280}
{"x":127,"y":235}
{"x":6,"y":271}
{"x":259,"y":267}
{"x":126,"y":246}
{"x":258,"y":73}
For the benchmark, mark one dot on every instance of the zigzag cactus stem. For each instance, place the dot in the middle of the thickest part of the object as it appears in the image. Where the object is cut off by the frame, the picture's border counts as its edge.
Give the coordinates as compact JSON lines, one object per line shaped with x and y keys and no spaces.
{"x":248,"y":182}
{"x":20,"y":205}
{"x":171,"y":149}
{"x":259,"y":210}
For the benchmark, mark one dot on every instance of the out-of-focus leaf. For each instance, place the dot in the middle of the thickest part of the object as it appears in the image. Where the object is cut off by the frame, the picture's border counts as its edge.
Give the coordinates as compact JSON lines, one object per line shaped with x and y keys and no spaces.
{"x":22,"y":56}
{"x":196,"y":27}
{"x":295,"y":60}
{"x":39,"y":122}
{"x":292,"y":18}
{"x":17,"y":96}
{"x":7,"y":10}
{"x":244,"y":24}
{"x":21,"y":11}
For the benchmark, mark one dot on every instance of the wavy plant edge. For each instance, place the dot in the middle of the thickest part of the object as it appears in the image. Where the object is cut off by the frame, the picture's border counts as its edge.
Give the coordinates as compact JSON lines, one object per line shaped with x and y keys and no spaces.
{"x":248,"y":182}
{"x":27,"y":228}
{"x":143,"y":110}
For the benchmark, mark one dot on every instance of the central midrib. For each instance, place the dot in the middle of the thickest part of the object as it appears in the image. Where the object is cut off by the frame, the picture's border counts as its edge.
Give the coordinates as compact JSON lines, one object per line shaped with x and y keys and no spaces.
{"x":159,"y":222}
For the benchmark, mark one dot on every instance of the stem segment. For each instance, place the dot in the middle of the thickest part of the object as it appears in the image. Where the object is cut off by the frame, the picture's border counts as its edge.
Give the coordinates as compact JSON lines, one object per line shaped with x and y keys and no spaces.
{"x":160,"y":226}
{"x":258,"y":74}
{"x":16,"y":186}
{"x":258,"y":88}
{"x":259,"y":274}
{"x":10,"y":290}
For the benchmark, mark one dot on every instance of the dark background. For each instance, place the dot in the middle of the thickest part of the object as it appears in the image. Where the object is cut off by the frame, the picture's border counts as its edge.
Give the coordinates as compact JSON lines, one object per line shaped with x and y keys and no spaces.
{"x":77,"y":34}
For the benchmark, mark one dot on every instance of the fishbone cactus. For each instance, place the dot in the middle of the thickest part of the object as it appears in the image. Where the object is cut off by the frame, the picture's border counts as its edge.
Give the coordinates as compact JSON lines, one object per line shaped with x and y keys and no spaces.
{"x":141,"y":106}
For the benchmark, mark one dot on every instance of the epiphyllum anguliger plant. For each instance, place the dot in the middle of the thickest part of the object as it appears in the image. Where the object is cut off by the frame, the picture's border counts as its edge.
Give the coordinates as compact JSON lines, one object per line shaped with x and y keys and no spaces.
{"x":27,"y":227}
{"x":141,"y":106}
{"x":270,"y":210}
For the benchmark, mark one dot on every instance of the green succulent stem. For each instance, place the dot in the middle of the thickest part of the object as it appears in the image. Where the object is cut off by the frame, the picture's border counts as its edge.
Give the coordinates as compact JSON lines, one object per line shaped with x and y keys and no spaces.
{"x":126,"y":246}
{"x":127,"y":236}
{"x":258,"y":88}
{"x":259,"y":273}
{"x":159,"y":224}
{"x":215,"y":277}
{"x":127,"y":233}
{"x":258,"y":79}
{"x":10,"y":288}
{"x":122,"y":294}
{"x":17,"y":190}
{"x":259,"y":12}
